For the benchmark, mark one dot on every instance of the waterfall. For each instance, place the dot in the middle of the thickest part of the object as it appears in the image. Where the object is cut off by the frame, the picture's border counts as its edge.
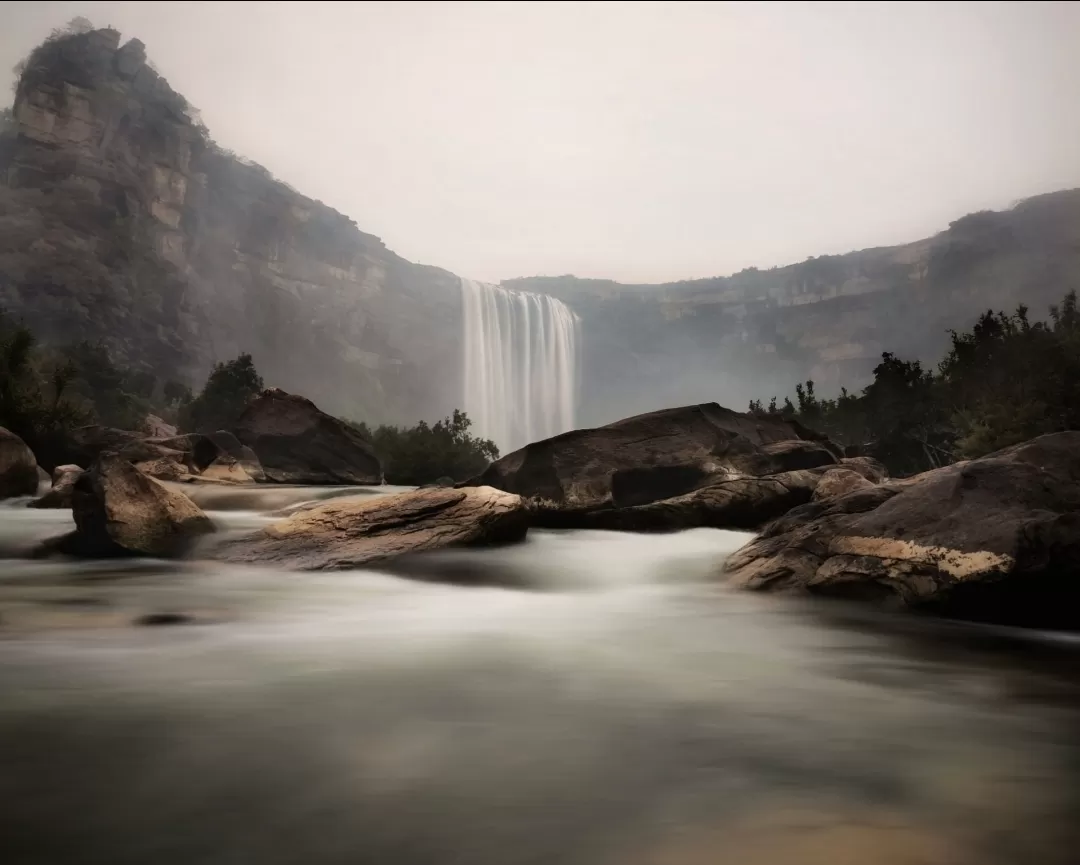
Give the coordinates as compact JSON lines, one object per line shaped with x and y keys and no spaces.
{"x":520,"y":364}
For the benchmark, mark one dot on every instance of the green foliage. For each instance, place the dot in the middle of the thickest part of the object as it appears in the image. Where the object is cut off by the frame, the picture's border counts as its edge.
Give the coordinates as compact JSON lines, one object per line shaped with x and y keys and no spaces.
{"x":226,"y":393}
{"x":423,"y":454}
{"x":34,"y":401}
{"x":1005,"y":381}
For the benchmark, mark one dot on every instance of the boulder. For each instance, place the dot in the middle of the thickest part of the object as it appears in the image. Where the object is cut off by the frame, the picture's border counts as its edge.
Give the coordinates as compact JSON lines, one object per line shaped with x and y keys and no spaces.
{"x":230,"y":445}
{"x":298,"y":444}
{"x":154,"y":427}
{"x":676,"y":468}
{"x":870,"y":468}
{"x":119,"y":510}
{"x":839,"y":481}
{"x":18,"y":467}
{"x":63,"y":483}
{"x":226,"y":469}
{"x":164,"y":469}
{"x":348,"y":533}
{"x":89,"y":442}
{"x":994,"y":539}
{"x":197,"y":450}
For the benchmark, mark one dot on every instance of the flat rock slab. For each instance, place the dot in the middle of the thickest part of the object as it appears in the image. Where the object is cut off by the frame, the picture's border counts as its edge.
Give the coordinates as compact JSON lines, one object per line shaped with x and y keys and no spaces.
{"x":350,"y":533}
{"x":994,"y":539}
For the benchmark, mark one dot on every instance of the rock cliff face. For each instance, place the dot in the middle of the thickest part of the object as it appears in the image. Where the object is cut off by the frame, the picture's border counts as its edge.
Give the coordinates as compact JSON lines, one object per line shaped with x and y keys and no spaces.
{"x":756,"y":333}
{"x":120,"y":220}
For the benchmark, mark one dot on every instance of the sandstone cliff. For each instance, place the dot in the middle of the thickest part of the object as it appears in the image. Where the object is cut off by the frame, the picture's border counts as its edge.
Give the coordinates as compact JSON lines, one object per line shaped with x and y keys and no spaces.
{"x":829,"y":318}
{"x":121,"y":220}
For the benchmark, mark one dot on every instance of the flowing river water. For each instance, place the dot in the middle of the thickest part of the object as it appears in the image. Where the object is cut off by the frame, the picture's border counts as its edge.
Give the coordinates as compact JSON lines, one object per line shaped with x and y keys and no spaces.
{"x":618,"y":706}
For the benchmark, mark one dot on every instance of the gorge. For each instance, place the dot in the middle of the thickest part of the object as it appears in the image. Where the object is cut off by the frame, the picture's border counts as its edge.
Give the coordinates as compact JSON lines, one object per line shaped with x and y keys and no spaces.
{"x":122,"y":221}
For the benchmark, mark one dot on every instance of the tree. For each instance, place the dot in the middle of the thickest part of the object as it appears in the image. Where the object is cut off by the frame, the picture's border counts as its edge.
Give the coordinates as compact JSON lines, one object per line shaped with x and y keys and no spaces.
{"x":227,"y":391}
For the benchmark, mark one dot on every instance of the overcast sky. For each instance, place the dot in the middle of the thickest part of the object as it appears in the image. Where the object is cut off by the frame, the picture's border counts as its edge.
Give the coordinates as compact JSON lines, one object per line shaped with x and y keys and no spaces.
{"x":638,"y":141}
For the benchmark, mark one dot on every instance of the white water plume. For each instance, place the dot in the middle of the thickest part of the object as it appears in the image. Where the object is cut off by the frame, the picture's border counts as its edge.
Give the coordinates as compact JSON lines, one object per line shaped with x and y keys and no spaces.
{"x":520,"y":364}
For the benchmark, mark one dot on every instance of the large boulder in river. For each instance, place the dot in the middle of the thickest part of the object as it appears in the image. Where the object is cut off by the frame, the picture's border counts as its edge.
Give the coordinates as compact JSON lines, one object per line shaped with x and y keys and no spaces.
{"x":297,"y":444}
{"x":18,"y":467}
{"x":993,"y":539}
{"x":348,"y":533}
{"x":63,"y":485}
{"x":119,"y":510}
{"x":680,"y":467}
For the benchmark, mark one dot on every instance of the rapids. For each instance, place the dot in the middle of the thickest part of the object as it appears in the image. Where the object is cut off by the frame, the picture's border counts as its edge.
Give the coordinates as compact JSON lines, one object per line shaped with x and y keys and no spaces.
{"x":623,"y":706}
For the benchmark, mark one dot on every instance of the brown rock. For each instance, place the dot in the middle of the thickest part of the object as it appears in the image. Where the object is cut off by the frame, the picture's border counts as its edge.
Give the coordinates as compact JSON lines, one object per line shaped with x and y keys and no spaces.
{"x":838,"y":482}
{"x":155,"y":427}
{"x":226,"y":469}
{"x":164,"y":469}
{"x":298,"y":444}
{"x":349,"y":533}
{"x":676,"y":468}
{"x":63,"y":483}
{"x":119,"y":510}
{"x":870,"y":468}
{"x":18,"y":467}
{"x":993,"y":539}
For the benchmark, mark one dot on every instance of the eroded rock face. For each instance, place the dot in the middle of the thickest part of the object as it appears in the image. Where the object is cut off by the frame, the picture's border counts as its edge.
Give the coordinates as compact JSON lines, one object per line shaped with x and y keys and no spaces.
{"x":676,"y":468}
{"x":838,"y":482}
{"x":18,"y":467}
{"x":63,"y":484}
{"x":119,"y":510}
{"x":994,"y":539}
{"x":295,"y":443}
{"x":349,"y":533}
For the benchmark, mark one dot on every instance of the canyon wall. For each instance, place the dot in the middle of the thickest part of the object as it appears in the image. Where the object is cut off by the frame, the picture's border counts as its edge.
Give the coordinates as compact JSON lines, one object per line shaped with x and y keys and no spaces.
{"x":757,"y":333}
{"x":122,"y":221}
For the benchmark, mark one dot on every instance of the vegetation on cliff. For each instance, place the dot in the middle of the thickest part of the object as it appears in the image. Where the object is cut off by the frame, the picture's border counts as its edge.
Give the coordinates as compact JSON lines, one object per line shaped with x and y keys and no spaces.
{"x":1005,"y":381}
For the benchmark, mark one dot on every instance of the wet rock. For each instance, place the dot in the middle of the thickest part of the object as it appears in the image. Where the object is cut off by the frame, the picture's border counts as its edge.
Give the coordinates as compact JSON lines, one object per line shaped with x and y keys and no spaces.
{"x":994,"y":539}
{"x":63,"y":483}
{"x":676,"y":468}
{"x":349,"y":533}
{"x":838,"y":482}
{"x":298,"y":444}
{"x":154,"y":427}
{"x":226,"y":469}
{"x":18,"y":467}
{"x":119,"y":510}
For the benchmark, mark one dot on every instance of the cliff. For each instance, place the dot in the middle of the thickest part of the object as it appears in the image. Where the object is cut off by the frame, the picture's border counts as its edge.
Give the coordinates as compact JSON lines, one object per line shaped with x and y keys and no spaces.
{"x":120,"y":220}
{"x":829,"y":318}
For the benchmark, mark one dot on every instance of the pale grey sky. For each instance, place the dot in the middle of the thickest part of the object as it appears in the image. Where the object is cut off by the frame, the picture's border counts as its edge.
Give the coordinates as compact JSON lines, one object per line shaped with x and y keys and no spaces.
{"x":638,"y":141}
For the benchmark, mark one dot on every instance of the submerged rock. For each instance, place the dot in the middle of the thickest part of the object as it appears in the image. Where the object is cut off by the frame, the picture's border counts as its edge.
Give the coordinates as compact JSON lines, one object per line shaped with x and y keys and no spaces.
{"x":349,"y":533}
{"x":994,"y":539}
{"x":297,"y":444}
{"x":18,"y":467}
{"x":63,"y":484}
{"x":700,"y":465}
{"x":119,"y":510}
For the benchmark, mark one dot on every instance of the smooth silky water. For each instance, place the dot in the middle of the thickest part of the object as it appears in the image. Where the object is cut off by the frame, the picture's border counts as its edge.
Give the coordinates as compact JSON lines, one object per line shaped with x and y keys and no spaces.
{"x":619,"y":707}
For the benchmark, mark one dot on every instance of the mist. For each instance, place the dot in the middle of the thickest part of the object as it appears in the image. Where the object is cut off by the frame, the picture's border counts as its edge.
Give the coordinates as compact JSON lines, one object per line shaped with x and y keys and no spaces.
{"x":641,"y":142}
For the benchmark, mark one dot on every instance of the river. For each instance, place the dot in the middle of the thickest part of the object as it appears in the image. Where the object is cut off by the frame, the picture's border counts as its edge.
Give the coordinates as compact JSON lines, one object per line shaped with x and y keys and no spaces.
{"x":619,"y":707}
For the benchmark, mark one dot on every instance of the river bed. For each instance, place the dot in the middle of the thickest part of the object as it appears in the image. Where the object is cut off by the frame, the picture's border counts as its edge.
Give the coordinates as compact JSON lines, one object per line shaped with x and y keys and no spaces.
{"x":620,"y":706}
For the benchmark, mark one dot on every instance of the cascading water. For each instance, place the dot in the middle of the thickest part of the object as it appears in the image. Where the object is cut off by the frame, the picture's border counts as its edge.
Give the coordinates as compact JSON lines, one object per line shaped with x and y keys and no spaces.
{"x":520,"y":364}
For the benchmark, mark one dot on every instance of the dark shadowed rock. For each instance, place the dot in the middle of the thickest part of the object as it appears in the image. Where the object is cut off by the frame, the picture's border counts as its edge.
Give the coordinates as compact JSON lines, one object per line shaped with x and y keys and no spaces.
{"x":227,"y":470}
{"x":676,"y":468}
{"x":18,"y":467}
{"x":87,"y":443}
{"x":119,"y":510}
{"x":993,"y":539}
{"x":349,"y":533}
{"x":198,"y":450}
{"x":839,"y":481}
{"x":63,"y":483}
{"x":154,"y":427}
{"x":296,"y":443}
{"x":230,"y":446}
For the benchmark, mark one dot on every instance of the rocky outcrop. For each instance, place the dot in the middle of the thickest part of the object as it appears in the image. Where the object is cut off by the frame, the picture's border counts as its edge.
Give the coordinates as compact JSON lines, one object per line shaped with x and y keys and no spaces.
{"x":838,"y":482}
{"x":121,"y":221}
{"x":18,"y":467}
{"x":689,"y":466}
{"x":119,"y":510}
{"x":63,"y":485}
{"x":994,"y":539}
{"x":349,"y":533}
{"x":296,"y":443}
